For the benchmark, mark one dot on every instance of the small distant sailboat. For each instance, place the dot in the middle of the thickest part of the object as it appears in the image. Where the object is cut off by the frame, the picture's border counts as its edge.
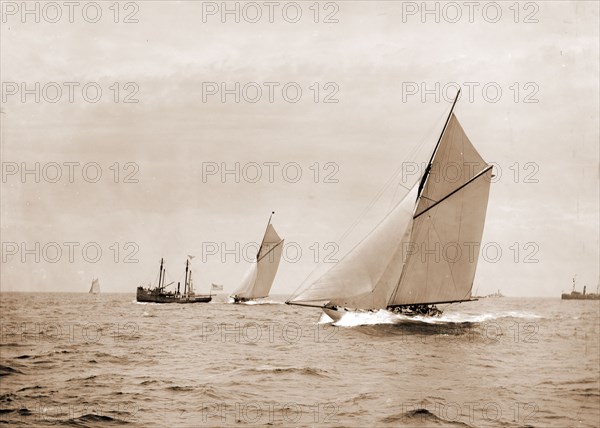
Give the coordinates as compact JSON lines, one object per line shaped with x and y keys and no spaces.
{"x":95,"y":288}
{"x":392,"y":268}
{"x":259,"y":278}
{"x":159,"y":294}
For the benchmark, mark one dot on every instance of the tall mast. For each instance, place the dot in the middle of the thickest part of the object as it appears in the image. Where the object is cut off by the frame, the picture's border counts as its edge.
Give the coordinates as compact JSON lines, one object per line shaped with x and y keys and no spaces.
{"x":185,"y":284}
{"x":427,"y":170}
{"x":160,"y":272}
{"x":264,"y":234}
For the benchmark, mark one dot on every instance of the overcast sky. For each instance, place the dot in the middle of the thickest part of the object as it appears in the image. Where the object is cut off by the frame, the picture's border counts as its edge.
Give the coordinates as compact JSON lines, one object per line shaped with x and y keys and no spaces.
{"x":541,"y":131}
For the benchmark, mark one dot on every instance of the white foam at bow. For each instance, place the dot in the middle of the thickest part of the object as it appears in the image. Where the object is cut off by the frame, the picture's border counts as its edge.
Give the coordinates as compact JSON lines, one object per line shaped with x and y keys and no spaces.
{"x":352,"y":319}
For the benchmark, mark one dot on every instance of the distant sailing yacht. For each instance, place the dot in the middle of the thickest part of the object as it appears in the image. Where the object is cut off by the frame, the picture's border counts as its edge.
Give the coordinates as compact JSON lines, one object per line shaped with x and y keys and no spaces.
{"x":259,"y":279}
{"x":159,"y":294}
{"x":95,"y":288}
{"x":393,"y":268}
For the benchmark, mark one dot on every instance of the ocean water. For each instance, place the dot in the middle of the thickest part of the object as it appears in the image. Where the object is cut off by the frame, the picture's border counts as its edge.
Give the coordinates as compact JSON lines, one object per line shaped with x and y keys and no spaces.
{"x":83,"y":360}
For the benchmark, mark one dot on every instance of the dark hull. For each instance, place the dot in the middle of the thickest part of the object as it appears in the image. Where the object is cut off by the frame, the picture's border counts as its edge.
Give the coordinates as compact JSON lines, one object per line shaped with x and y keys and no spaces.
{"x":336,"y":312}
{"x":580,"y":296}
{"x":237,"y":299}
{"x":414,"y":310}
{"x":154,"y":296}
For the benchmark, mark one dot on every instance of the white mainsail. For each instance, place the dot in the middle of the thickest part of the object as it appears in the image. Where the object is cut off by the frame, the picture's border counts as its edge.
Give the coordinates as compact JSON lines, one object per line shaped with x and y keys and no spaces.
{"x":367,"y":275}
{"x":95,"y":288}
{"x":259,"y":278}
{"x":425,"y":251}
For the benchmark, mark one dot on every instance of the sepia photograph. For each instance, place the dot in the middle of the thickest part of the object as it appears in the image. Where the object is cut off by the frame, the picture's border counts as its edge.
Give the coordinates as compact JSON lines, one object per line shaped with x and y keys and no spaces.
{"x":309,"y":213}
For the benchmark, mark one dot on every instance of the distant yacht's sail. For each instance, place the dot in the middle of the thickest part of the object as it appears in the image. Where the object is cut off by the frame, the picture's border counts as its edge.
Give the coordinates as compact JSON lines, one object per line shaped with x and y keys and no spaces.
{"x":425,"y":251}
{"x":448,"y":224}
{"x":95,"y":288}
{"x":367,"y":275}
{"x":259,"y":278}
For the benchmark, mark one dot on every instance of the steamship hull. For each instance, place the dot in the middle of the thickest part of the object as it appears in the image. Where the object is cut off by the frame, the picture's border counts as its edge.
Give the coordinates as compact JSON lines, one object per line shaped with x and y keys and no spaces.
{"x":579,"y":296}
{"x":154,"y":296}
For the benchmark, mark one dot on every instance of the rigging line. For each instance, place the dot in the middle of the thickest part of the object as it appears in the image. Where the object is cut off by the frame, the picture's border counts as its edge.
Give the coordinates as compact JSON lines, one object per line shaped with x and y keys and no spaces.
{"x":368,"y":208}
{"x":396,"y":193}
{"x":152,"y":284}
{"x":400,"y":185}
{"x":414,"y":151}
{"x":378,"y":195}
{"x":265,"y":234}
{"x":411,"y":157}
{"x":426,"y":174}
{"x":348,"y":231}
{"x":353,"y":248}
{"x":435,"y":177}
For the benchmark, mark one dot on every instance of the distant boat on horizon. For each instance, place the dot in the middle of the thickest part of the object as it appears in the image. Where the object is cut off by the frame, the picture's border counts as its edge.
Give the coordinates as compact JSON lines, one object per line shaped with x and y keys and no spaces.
{"x":159,"y":294}
{"x":488,"y":296}
{"x":493,"y":295}
{"x":259,"y":279}
{"x":576,"y":295}
{"x":379,"y":274}
{"x":95,"y":288}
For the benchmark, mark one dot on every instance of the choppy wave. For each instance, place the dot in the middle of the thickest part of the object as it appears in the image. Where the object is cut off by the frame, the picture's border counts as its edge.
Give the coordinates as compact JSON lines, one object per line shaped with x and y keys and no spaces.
{"x":5,"y":370}
{"x":309,"y":371}
{"x":23,"y":411}
{"x":421,"y":417}
{"x":93,"y":420}
{"x":181,"y":388}
{"x":367,"y":369}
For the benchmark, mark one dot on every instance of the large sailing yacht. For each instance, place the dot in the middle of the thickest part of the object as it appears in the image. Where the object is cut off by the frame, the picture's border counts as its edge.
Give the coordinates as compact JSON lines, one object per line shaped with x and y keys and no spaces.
{"x":393,"y":268}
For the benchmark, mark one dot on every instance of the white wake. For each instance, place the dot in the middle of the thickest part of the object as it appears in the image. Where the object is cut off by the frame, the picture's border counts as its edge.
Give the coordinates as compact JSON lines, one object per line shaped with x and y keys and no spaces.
{"x":382,"y":316}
